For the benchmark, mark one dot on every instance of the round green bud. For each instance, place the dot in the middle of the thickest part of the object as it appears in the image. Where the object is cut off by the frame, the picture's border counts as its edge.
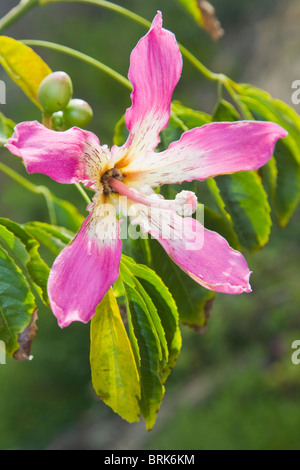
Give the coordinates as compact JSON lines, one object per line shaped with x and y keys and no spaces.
{"x":78,"y":113}
{"x":58,"y":120}
{"x":55,"y":92}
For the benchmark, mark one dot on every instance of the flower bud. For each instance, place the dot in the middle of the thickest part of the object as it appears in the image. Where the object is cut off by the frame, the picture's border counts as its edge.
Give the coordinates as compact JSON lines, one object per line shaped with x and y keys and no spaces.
{"x":78,"y":113}
{"x":58,"y":121}
{"x":55,"y":92}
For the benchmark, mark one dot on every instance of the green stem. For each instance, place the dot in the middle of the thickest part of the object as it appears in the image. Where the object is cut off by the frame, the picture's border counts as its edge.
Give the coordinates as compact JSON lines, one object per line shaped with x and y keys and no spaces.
{"x":47,"y":120}
{"x":140,"y":20}
{"x":17,"y":12}
{"x":81,"y":56}
{"x":217,"y":77}
{"x":43,"y":190}
{"x":83,"y":193}
{"x":220,"y":91}
{"x":244,"y":111}
{"x":109,"y":6}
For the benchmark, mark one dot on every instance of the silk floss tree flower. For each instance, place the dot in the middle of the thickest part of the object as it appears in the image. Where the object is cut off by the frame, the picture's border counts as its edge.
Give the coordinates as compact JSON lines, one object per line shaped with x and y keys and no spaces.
{"x":89,"y":265}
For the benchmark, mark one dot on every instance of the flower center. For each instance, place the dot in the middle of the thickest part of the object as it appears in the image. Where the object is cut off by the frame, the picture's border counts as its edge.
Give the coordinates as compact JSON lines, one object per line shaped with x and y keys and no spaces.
{"x":106,"y":178}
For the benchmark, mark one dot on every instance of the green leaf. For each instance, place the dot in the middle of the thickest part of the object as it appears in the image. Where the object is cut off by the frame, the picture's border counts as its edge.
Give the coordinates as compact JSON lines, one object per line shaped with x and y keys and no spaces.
{"x":166,"y":309}
{"x":67,"y":214}
{"x":154,"y":319}
{"x":225,"y":112}
{"x":34,"y":268}
{"x":286,"y":193}
{"x":246,"y":201}
{"x":23,"y":66}
{"x":285,"y":182}
{"x":221,"y":224}
{"x":114,"y":372}
{"x":189,"y":118}
{"x":121,"y":132}
{"x":193,"y":301}
{"x":273,"y":110}
{"x":242,"y":196}
{"x":17,"y":303}
{"x":172,"y":132}
{"x":154,"y":331}
{"x":52,"y":237}
{"x":6,"y":129}
{"x":182,"y":119}
{"x":147,"y":350}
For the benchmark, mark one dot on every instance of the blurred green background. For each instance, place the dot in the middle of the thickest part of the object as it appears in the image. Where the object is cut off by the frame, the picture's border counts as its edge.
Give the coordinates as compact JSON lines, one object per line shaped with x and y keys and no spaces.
{"x":234,"y":386}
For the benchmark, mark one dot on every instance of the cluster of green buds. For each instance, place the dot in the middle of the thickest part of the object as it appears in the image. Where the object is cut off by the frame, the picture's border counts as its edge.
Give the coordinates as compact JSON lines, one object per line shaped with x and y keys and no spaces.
{"x":55,"y":97}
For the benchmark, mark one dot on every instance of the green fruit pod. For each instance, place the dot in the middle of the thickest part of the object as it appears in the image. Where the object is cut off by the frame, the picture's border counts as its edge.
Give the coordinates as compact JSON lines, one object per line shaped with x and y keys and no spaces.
{"x":55,"y":92}
{"x":78,"y":113}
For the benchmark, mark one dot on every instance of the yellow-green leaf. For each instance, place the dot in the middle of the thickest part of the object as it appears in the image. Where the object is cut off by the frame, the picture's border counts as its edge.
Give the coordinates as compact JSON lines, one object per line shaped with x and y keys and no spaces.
{"x":114,"y":372}
{"x":24,"y":66}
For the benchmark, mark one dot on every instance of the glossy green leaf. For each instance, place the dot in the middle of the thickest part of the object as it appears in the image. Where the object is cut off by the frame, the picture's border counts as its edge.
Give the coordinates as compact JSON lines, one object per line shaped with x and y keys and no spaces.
{"x":32,"y":264}
{"x":285,"y":182}
{"x":274,"y":110}
{"x":114,"y":372}
{"x":17,"y":302}
{"x":127,"y":270}
{"x":286,"y":195}
{"x":242,"y":196}
{"x":189,"y":117}
{"x":225,"y":111}
{"x":166,"y":310}
{"x":221,"y":224}
{"x":246,"y":201}
{"x":121,"y":132}
{"x":147,"y":351}
{"x":23,"y":66}
{"x":67,"y":214}
{"x":193,"y":301}
{"x":182,"y":119}
{"x":52,"y":237}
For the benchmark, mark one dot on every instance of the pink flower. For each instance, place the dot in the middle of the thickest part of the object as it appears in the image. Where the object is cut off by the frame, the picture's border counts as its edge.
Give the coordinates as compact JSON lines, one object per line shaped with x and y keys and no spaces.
{"x":89,"y":265}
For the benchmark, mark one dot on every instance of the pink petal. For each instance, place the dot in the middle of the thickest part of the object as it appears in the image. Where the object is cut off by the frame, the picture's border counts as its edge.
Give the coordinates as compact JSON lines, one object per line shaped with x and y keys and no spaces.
{"x":155,"y":68}
{"x":64,"y":156}
{"x":204,"y":255}
{"x":85,"y":269}
{"x":213,"y":149}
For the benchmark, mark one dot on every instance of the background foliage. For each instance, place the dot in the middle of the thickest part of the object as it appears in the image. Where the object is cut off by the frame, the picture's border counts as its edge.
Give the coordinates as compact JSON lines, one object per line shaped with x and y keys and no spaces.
{"x":235,"y":386}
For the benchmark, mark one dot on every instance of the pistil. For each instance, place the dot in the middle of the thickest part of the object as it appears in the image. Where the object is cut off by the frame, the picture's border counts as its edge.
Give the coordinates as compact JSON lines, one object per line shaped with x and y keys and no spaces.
{"x":185,"y":202}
